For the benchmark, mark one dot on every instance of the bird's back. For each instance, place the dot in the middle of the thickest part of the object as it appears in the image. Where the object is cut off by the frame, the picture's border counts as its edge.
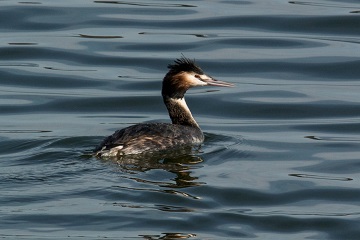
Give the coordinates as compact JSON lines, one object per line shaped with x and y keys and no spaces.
{"x":148,"y":137}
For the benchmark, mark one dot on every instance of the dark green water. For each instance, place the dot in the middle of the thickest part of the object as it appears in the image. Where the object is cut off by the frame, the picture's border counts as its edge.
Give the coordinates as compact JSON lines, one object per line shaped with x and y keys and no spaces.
{"x":281,"y":158}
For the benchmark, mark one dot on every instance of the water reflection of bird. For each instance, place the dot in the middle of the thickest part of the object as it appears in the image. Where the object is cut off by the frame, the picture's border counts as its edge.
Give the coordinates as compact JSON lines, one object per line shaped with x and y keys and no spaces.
{"x":178,"y":162}
{"x":184,"y":130}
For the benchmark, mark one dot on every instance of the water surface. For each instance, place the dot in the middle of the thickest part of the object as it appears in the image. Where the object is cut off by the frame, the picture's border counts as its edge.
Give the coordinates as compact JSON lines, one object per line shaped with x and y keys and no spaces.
{"x":281,"y":155}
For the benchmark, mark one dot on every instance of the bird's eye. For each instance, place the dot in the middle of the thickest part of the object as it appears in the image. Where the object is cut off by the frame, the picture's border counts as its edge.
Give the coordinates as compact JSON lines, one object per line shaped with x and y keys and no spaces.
{"x":197,"y":76}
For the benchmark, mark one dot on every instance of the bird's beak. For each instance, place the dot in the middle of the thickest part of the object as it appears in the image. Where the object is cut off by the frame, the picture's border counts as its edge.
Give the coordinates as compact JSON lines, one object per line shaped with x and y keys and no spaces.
{"x":213,"y":82}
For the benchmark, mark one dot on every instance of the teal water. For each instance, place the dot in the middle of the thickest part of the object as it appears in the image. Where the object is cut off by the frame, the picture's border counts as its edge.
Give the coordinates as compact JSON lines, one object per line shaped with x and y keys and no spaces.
{"x":281,"y":158}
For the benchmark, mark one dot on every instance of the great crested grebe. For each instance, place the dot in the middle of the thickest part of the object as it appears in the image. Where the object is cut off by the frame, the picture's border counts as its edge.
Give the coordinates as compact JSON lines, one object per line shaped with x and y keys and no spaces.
{"x":184,"y":130}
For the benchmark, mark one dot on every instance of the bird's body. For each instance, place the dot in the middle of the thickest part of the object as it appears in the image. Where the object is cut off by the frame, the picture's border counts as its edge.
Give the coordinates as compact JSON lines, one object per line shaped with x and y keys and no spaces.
{"x":150,"y":137}
{"x":183,"y":131}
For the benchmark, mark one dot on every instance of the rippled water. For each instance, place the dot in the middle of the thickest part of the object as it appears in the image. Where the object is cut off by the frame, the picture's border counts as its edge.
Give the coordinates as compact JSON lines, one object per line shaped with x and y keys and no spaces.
{"x":281,"y":158}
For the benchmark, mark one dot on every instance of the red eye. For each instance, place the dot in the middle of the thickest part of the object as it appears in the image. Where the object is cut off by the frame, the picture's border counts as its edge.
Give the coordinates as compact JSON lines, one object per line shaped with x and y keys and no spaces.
{"x":197,"y":76}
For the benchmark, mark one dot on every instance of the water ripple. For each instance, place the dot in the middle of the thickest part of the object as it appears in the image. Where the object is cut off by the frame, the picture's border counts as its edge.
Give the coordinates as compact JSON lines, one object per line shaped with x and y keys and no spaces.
{"x":281,"y":154}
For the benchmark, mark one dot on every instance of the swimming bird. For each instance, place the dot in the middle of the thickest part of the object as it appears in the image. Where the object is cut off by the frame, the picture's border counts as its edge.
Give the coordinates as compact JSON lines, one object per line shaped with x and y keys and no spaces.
{"x":184,"y":130}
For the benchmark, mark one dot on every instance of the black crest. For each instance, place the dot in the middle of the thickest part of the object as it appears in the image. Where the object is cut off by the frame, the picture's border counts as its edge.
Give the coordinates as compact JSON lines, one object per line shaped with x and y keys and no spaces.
{"x":184,"y":64}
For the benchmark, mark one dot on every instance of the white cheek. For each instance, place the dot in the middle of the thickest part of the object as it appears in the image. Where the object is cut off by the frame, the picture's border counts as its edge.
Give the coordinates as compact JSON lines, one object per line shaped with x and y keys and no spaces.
{"x":195,"y":81}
